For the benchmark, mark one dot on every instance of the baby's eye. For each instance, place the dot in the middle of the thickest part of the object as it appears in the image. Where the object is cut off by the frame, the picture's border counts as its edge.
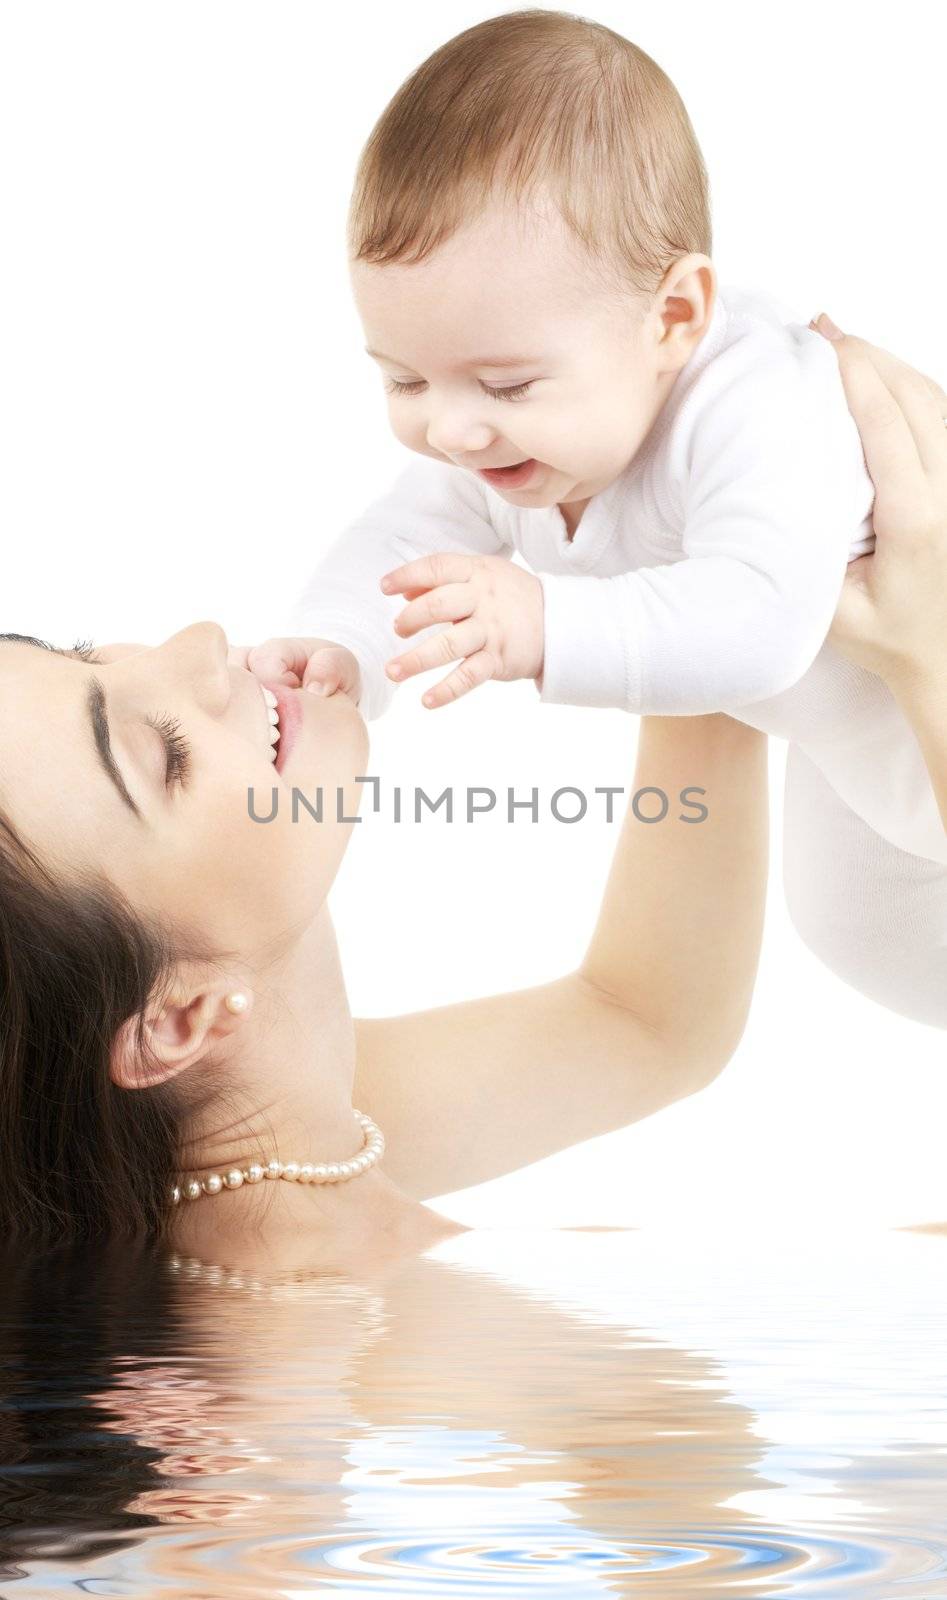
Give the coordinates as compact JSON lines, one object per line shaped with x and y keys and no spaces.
{"x":394,"y":387}
{"x":514,"y":391}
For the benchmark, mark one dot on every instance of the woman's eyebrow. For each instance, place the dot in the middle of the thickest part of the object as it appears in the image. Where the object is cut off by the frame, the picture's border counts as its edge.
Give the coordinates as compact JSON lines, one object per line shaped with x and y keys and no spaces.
{"x":97,"y":711}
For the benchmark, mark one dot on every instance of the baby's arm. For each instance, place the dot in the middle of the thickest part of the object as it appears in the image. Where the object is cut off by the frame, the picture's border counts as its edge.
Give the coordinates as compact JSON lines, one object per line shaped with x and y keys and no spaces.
{"x":430,"y":506}
{"x":768,"y":493}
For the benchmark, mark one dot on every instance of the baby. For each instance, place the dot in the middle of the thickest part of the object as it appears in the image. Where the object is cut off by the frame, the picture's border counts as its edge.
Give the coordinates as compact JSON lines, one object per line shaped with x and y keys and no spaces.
{"x":673,"y":461}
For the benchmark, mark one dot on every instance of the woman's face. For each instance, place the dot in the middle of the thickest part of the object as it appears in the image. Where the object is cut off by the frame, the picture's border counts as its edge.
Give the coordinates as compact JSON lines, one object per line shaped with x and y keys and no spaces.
{"x":181,"y":846}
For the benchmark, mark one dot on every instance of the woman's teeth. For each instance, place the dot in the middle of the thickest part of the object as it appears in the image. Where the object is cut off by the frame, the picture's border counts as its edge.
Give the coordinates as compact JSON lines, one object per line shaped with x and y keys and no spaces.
{"x":270,"y":699}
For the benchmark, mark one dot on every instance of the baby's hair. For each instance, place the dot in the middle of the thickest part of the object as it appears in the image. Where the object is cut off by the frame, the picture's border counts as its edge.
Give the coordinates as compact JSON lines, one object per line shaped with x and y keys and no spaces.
{"x":527,"y":100}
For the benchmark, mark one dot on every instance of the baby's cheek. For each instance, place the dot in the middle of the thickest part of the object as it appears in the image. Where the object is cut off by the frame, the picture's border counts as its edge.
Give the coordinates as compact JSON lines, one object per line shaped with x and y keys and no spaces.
{"x":407,"y":432}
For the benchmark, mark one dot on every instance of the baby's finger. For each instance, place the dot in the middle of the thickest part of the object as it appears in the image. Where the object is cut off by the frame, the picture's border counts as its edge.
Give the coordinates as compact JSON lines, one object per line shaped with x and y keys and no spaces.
{"x":325,"y":681}
{"x":277,"y":661}
{"x":426,"y":572}
{"x":450,"y":602}
{"x":453,"y":644}
{"x":475,"y":670}
{"x":323,"y":674}
{"x":330,"y":669}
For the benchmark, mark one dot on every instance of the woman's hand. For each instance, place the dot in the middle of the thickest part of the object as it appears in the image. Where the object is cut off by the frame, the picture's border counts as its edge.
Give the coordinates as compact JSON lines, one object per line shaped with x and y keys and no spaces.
{"x":893,"y":608}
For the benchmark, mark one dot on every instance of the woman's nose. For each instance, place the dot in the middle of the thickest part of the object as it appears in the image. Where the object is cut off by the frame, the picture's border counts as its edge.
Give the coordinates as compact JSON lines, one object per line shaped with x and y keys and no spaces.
{"x":197,"y":655}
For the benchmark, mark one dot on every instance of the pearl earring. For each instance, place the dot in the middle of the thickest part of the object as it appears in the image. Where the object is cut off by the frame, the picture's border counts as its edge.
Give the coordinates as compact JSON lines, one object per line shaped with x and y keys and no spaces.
{"x":236,"y":1002}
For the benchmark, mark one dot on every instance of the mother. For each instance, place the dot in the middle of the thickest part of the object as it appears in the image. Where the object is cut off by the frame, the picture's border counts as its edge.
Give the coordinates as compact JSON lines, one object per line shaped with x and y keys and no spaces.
{"x":172,"y":1003}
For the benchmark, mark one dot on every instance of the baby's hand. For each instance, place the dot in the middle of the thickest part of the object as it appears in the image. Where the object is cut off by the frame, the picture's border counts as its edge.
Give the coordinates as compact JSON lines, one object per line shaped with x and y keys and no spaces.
{"x":497,"y":613}
{"x":318,"y":664}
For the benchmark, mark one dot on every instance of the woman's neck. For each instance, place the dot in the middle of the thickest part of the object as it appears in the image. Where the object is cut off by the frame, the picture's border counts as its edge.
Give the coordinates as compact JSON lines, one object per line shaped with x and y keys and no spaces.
{"x":287,"y":1077}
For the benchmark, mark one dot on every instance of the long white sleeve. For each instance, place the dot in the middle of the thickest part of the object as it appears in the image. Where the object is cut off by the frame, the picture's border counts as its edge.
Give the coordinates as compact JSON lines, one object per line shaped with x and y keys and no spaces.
{"x":743,"y":604}
{"x":430,"y":506}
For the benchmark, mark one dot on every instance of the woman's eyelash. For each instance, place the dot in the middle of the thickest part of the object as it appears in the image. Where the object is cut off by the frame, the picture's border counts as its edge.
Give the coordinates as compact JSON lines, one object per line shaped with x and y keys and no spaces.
{"x":514,"y":391}
{"x":83,"y":648}
{"x":178,"y":767}
{"x":177,"y":747}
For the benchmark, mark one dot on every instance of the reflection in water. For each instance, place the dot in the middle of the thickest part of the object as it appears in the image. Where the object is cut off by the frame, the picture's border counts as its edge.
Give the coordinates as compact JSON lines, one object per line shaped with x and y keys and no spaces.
{"x":585,"y":1413}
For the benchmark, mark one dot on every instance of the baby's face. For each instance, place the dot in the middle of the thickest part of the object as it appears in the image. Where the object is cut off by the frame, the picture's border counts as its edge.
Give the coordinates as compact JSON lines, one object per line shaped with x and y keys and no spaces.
{"x":502,"y":347}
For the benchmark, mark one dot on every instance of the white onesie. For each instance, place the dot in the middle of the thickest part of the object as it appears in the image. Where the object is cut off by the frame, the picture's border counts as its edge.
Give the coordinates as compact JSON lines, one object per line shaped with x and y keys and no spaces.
{"x":703,"y":578}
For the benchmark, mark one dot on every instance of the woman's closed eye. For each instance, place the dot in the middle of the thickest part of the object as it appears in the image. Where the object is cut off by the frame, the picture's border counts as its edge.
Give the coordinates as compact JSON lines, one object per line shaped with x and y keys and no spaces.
{"x":177,"y":747}
{"x":514,"y":391}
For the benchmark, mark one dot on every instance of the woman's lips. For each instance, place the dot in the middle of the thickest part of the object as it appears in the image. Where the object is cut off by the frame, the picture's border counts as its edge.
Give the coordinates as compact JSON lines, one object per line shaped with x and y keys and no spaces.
{"x":514,"y":477}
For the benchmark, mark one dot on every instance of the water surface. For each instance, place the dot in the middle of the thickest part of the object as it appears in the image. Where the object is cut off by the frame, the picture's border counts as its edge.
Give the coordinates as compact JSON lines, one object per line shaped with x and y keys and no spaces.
{"x":581,"y":1413}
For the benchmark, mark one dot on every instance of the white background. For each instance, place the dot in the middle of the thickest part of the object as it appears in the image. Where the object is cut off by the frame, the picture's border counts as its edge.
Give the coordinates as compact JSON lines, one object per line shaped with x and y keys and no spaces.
{"x":186,"y":415}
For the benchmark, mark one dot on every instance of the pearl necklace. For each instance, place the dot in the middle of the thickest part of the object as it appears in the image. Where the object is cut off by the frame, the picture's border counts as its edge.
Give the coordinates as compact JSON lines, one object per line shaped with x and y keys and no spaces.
{"x":372,"y":1150}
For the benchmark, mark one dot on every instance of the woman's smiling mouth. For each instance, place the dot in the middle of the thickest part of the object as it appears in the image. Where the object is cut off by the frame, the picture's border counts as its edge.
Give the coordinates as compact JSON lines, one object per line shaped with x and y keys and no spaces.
{"x":272,"y":712}
{"x":288,"y":713}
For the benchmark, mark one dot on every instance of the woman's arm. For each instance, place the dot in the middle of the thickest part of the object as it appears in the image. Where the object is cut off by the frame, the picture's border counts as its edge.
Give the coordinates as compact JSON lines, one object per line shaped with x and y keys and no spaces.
{"x":924,"y":702}
{"x":892,"y":615}
{"x":678,"y":935}
{"x":469,"y":1091}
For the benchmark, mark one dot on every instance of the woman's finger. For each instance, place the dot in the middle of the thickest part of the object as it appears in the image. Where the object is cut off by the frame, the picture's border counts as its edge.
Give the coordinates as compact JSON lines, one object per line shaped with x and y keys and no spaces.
{"x":922,"y":401}
{"x":895,"y":408}
{"x":888,"y":442}
{"x":938,"y":394}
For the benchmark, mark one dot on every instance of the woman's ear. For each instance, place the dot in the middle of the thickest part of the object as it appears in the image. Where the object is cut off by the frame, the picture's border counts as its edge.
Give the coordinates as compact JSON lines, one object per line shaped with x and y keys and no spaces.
{"x":177,"y":1031}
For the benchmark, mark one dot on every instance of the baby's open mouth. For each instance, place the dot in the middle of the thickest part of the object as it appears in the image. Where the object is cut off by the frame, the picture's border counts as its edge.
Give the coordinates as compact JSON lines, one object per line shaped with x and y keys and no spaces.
{"x":509,"y":477}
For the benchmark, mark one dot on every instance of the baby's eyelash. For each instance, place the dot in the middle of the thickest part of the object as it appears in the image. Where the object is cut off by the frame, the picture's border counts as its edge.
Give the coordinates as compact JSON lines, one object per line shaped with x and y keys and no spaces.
{"x":513,"y":391}
{"x":177,"y":747}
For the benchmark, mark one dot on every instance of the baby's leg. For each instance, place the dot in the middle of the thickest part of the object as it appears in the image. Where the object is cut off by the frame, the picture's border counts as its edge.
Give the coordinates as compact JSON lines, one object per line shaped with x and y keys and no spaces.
{"x":874,"y":914}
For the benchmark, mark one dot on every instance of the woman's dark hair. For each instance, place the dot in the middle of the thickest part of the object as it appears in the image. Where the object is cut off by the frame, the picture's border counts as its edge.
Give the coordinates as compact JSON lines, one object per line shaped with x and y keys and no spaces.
{"x":75,"y":1322}
{"x":80,"y":1157}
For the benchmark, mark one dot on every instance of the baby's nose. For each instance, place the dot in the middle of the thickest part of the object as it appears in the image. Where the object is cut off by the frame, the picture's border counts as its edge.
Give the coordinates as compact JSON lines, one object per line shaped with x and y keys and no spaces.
{"x":456,"y":435}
